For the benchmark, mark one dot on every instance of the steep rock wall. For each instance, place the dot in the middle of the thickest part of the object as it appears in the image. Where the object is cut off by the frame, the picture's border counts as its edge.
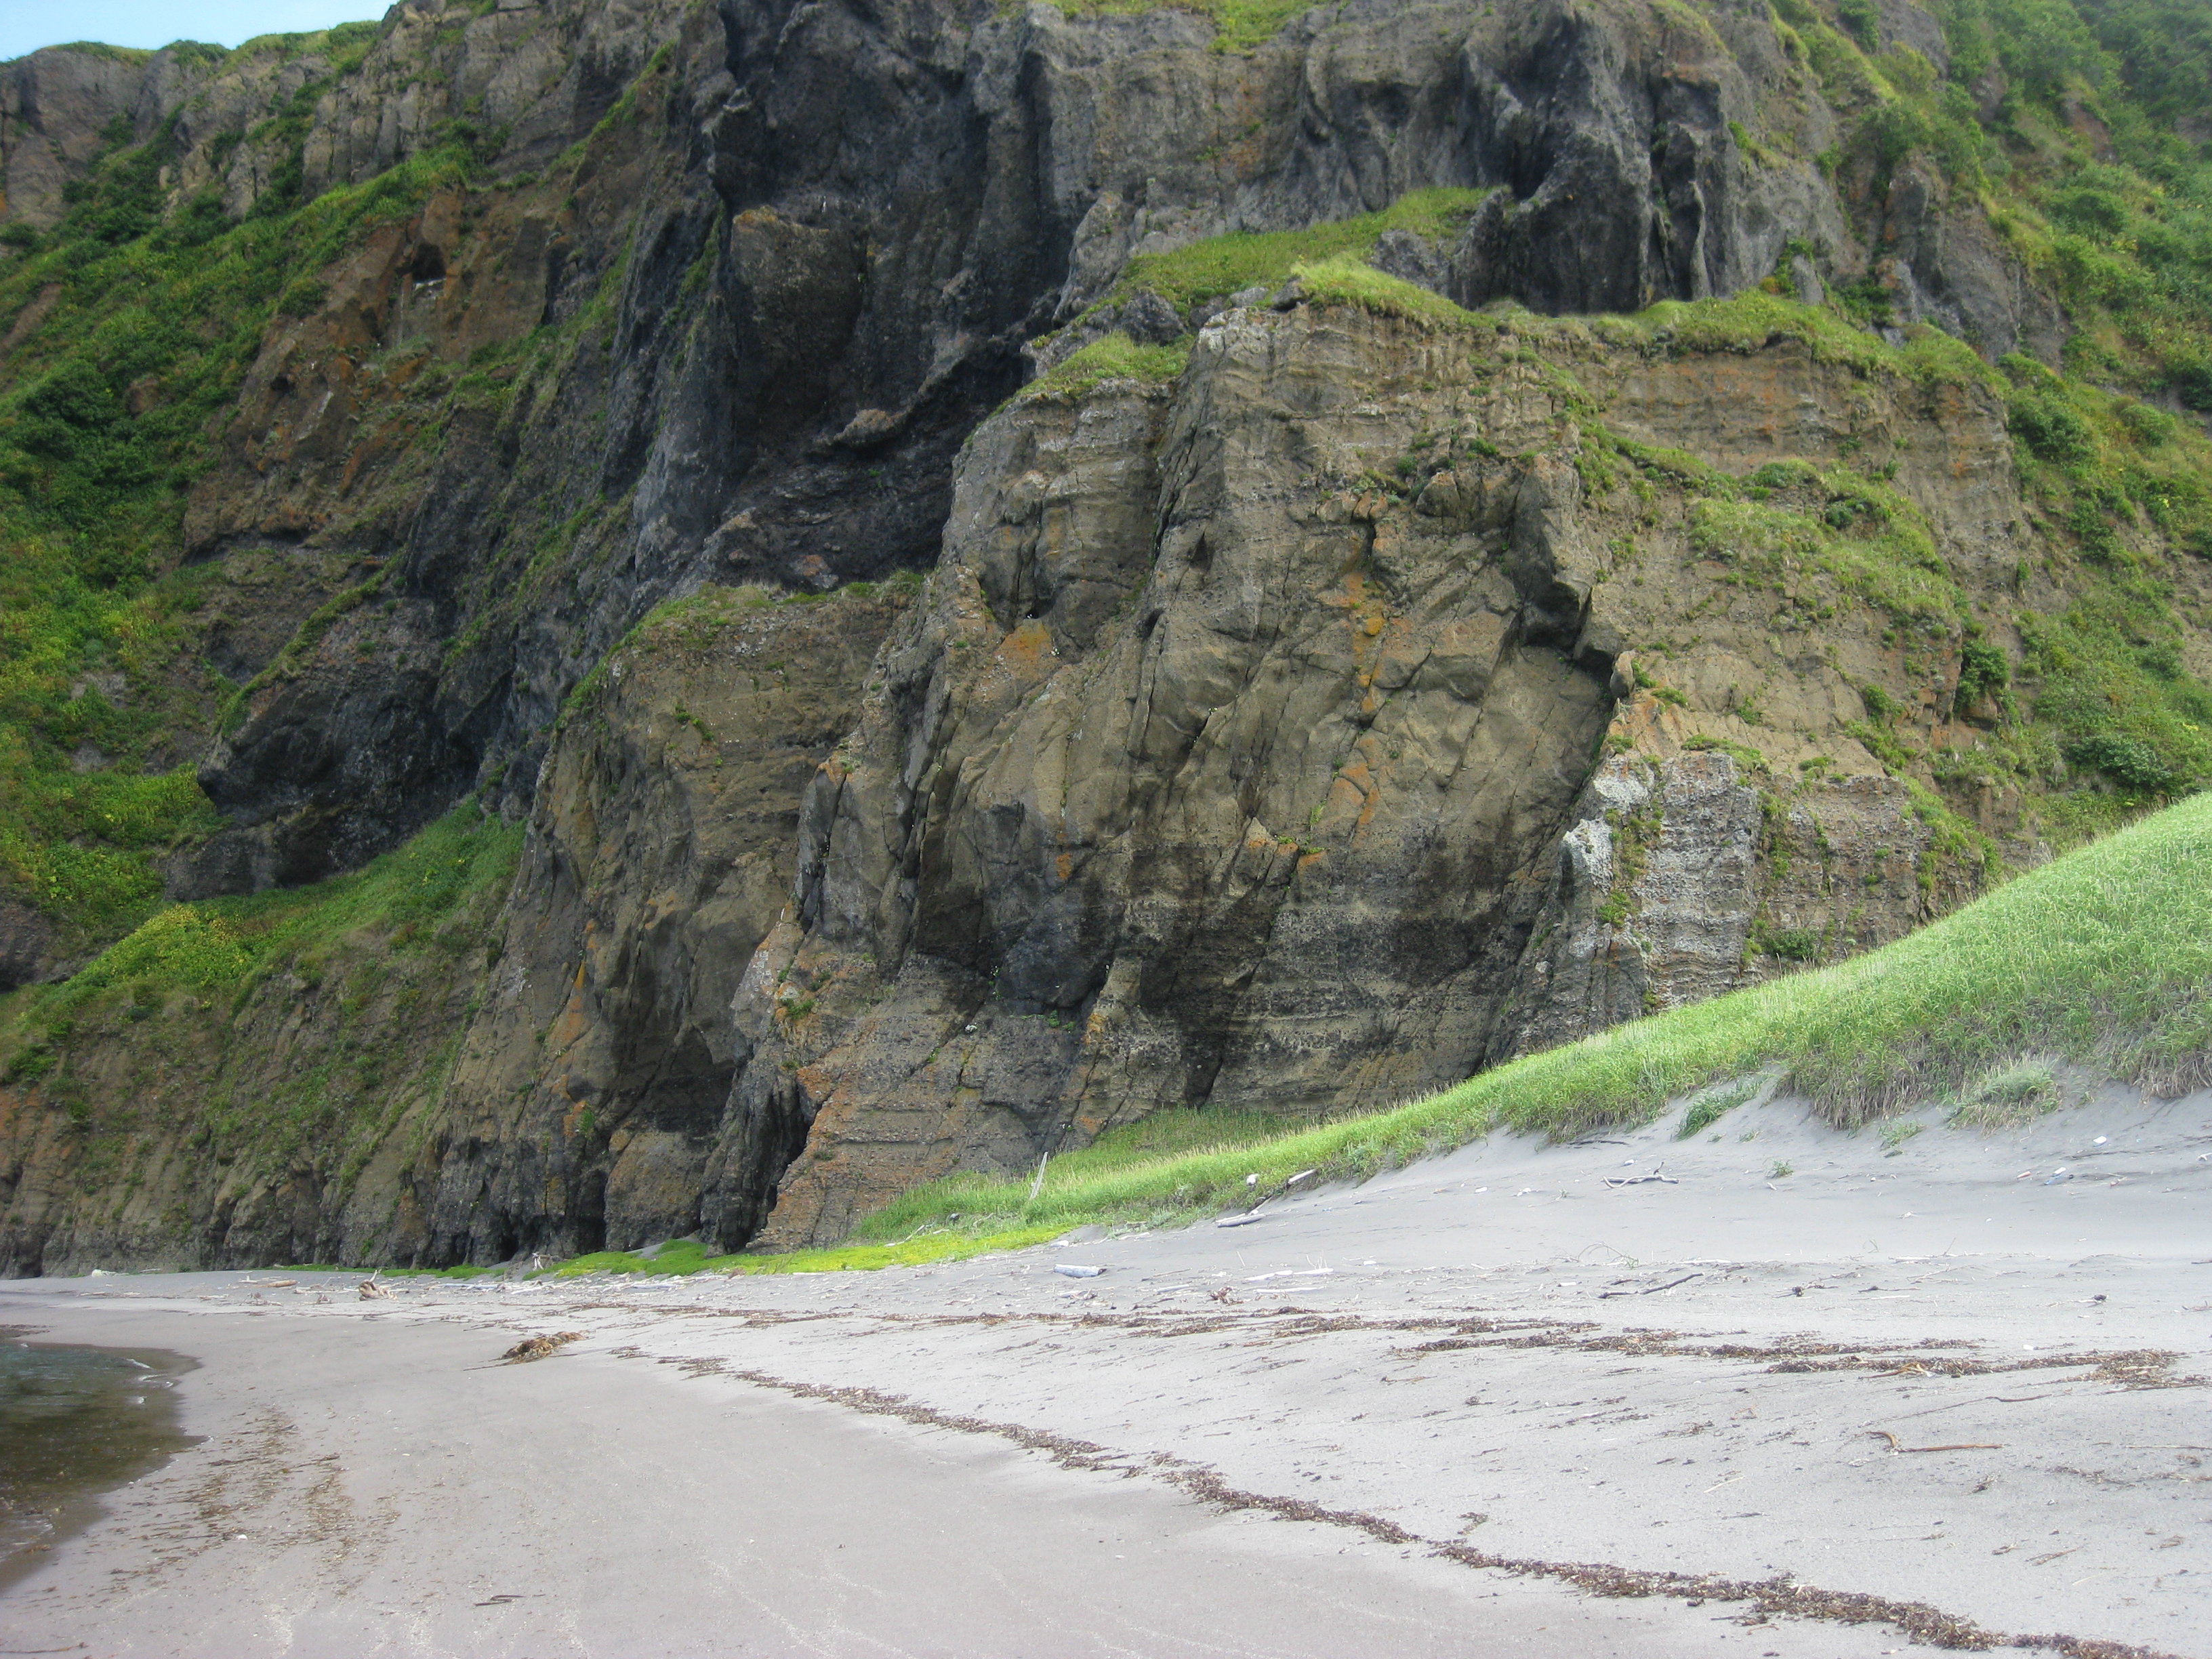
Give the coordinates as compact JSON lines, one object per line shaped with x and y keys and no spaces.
{"x":538,"y":1063}
{"x":1374,"y":701}
{"x":800,"y":256}
{"x":590,"y":1087}
{"x":1228,"y":759}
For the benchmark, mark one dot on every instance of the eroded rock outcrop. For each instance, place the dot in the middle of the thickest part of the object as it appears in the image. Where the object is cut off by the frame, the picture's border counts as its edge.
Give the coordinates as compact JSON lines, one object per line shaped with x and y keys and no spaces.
{"x":588,"y":1092}
{"x":547,"y":1071}
{"x":844,"y":225}
{"x":1231,"y":752}
{"x":1688,"y":878}
{"x":1382,"y":696}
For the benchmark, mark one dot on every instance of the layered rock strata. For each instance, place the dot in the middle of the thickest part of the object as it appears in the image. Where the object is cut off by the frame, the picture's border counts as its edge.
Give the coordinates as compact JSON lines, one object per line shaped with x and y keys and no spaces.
{"x":1387,"y":693}
{"x":1229,"y":760}
{"x":782,"y":259}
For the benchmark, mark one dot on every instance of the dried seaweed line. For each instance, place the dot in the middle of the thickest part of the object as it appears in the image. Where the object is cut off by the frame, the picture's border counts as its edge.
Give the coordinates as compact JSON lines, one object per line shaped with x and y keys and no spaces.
{"x":1768,"y":1596}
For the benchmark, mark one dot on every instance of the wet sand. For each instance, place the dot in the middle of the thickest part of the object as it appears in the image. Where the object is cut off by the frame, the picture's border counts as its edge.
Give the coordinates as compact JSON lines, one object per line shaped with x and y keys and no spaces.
{"x":1741,"y":1397}
{"x":75,"y":1422}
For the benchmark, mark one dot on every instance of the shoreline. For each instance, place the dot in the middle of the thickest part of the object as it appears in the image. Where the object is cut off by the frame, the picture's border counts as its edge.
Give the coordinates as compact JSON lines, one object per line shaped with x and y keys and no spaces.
{"x":82,"y":1501}
{"x":864,"y":1534}
{"x":1358,"y":1410}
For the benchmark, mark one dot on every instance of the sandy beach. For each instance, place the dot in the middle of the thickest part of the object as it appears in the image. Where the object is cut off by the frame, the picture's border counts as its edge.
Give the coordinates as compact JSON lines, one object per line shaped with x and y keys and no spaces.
{"x":1784,"y":1392}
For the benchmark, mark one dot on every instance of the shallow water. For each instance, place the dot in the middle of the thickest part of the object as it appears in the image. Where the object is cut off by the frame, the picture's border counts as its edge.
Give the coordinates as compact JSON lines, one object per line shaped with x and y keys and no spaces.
{"x":74,"y":1423}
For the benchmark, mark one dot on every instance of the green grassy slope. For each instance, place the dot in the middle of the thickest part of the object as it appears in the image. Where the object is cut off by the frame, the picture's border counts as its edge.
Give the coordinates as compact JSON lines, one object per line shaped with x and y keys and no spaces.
{"x":139,"y":314}
{"x":437,"y":893}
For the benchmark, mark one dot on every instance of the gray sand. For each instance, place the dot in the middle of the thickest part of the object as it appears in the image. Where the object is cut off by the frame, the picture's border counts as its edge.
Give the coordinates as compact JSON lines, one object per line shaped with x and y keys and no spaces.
{"x":1733,"y":1376}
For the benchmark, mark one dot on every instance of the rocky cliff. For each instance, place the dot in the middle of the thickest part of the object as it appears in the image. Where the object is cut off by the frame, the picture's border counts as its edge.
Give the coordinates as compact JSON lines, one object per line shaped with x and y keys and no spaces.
{"x":1442,"y":531}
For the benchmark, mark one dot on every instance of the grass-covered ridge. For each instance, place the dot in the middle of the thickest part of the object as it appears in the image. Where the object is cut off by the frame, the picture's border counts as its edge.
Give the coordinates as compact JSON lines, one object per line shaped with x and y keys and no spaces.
{"x":2103,"y":958}
{"x":1240,"y":25}
{"x":1115,"y":357}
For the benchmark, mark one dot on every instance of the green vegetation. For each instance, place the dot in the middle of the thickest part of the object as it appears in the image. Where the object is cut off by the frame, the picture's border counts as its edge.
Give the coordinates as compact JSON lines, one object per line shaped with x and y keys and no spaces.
{"x":1116,"y":357}
{"x":294,"y":1033}
{"x":1329,"y":261}
{"x":2104,"y":956}
{"x":1221,"y":265}
{"x":429,"y":896}
{"x":2127,"y":239}
{"x":1795,"y":524}
{"x":2076,"y":158}
{"x":930,"y":1244}
{"x":1895,"y":1133}
{"x":2009,"y":1097}
{"x":1708,"y":1108}
{"x":1758,"y":317}
{"x":2110,"y":474}
{"x":138,"y":315}
{"x":1240,"y":25}
{"x":1343,"y":280}
{"x":1743,"y":754}
{"x":2102,"y":696}
{"x":142,"y":325}
{"x":932,"y":1233}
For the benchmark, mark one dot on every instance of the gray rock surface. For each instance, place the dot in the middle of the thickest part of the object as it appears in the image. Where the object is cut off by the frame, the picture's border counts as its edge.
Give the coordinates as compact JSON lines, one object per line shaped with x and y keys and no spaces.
{"x":56,"y":107}
{"x":1688,"y":878}
{"x":887,"y":207}
{"x":1244,"y":746}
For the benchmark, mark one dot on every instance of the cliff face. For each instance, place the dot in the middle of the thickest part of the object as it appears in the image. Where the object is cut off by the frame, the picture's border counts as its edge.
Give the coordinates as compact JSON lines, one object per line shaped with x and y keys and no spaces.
{"x":1213,"y":766}
{"x":1330,"y":694}
{"x":842,"y":226}
{"x":588,"y":1092}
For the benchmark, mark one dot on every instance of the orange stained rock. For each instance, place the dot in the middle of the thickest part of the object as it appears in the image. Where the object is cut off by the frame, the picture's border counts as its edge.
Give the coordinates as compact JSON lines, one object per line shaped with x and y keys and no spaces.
{"x":572,"y":1024}
{"x":821,"y":1084}
{"x":1346,"y":799}
{"x":1026,"y":647}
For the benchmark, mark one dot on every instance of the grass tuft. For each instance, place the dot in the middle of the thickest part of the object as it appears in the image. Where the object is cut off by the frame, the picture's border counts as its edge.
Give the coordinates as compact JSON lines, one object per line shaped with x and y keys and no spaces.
{"x":1343,"y":280}
{"x":1708,"y":1108}
{"x":1218,"y":266}
{"x":2009,"y":1097}
{"x":1116,"y":357}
